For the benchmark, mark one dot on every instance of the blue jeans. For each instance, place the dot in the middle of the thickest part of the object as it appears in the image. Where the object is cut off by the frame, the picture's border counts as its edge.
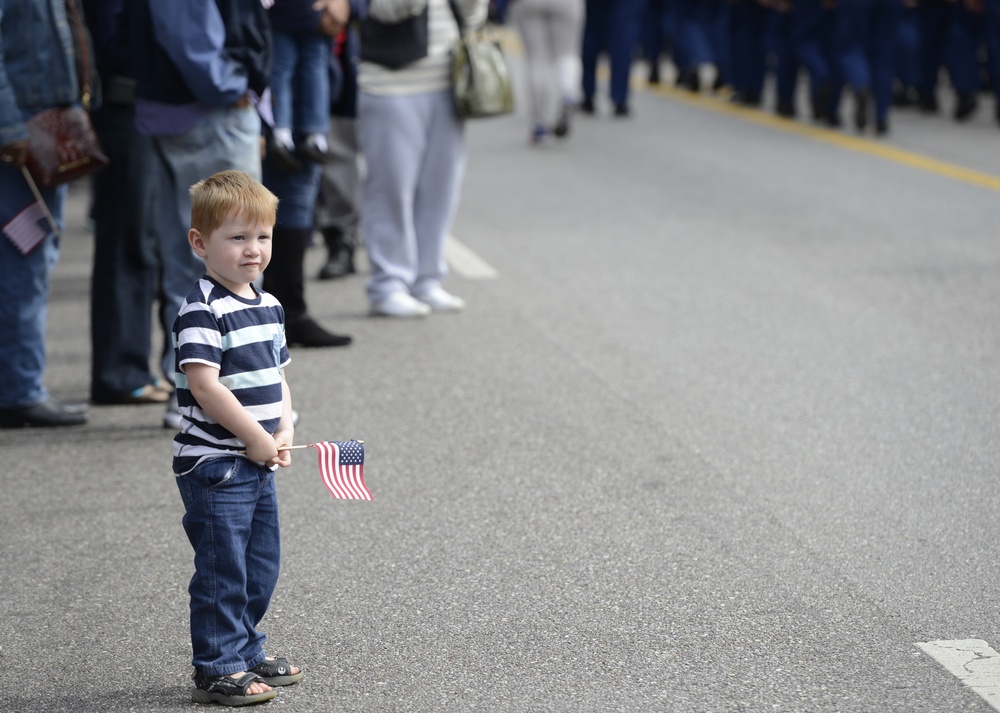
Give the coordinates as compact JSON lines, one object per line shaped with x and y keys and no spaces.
{"x":24,"y":295}
{"x":300,"y":82}
{"x":231,"y":520}
{"x":223,"y":139}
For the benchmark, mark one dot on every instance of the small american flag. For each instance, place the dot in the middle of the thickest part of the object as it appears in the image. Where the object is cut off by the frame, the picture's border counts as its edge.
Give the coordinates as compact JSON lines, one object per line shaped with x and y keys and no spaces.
{"x":342,"y":466}
{"x":28,"y":228}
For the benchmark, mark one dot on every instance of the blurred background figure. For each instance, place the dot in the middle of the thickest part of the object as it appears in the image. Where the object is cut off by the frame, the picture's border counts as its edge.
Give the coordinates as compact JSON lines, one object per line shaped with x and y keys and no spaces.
{"x":123,"y":283}
{"x":297,"y":189}
{"x":551,"y":31}
{"x":199,"y":67}
{"x":813,"y":23}
{"x":610,"y":26}
{"x":413,"y":143}
{"x":948,"y":38}
{"x":338,"y":207}
{"x":865,"y":47}
{"x":39,"y":69}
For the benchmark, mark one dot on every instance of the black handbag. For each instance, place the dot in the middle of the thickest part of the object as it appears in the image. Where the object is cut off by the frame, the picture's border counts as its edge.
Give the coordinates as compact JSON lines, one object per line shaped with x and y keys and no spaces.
{"x":394,"y":44}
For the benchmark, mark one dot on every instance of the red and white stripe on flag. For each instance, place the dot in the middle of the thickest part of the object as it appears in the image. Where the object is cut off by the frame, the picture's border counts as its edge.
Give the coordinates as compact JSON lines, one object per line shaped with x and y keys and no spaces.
{"x":28,"y":228}
{"x":342,"y":467}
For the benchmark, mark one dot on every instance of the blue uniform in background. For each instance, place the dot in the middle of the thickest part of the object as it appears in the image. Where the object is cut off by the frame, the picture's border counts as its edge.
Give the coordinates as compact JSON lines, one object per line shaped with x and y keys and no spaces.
{"x":864,"y":45}
{"x":611,"y":26}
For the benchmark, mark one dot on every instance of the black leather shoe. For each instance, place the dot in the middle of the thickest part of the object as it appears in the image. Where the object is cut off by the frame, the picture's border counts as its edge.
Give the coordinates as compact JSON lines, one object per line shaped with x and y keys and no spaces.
{"x":45,"y":414}
{"x":785,"y":109}
{"x":587,"y":107}
{"x":621,"y":110}
{"x":313,"y":152}
{"x":306,"y":333}
{"x":338,"y":265}
{"x":283,"y":158}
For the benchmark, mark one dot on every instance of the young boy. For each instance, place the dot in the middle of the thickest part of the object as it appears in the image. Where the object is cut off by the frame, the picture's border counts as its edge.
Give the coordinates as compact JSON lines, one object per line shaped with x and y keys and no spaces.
{"x":230,"y":355}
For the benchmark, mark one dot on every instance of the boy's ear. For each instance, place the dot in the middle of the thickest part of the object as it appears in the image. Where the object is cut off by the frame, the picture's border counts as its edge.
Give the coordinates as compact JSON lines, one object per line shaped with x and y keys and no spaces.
{"x":197,"y":242}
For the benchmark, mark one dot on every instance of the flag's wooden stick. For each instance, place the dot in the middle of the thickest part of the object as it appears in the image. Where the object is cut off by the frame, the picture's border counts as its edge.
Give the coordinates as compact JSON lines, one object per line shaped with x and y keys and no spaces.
{"x":294,"y":448}
{"x":41,"y":201}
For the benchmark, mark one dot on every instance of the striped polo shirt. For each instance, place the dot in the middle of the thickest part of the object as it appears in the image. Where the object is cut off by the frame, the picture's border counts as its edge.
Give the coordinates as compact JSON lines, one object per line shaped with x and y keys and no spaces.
{"x":245,"y":340}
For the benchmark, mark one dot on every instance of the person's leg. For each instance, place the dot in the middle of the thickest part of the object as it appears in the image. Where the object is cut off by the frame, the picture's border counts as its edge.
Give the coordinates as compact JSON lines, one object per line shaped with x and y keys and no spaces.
{"x":286,"y":57}
{"x":263,"y":560}
{"x":123,"y":278}
{"x":437,"y":192}
{"x":932,"y":20}
{"x":624,"y":33}
{"x":594,"y":33}
{"x":883,"y":52}
{"x":220,"y":499}
{"x":338,"y":207}
{"x":312,"y":83}
{"x":566,"y":30}
{"x":785,"y":63}
{"x":393,"y":133}
{"x":531,"y":20}
{"x":965,"y":33}
{"x":992,"y":29}
{"x":24,"y":296}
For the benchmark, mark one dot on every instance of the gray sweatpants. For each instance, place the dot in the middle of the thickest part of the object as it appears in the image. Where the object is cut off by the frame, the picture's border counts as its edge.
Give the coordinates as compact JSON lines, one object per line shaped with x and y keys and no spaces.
{"x":552,"y":32}
{"x":414,"y":150}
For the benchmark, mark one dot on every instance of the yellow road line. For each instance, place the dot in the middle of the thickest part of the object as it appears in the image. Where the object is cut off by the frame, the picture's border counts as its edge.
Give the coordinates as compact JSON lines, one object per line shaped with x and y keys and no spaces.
{"x":836,"y":138}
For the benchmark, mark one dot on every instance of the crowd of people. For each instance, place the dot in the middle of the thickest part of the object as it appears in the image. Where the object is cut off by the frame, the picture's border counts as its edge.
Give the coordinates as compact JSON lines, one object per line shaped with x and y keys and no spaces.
{"x":281,"y":90}
{"x":882,"y":53}
{"x":291,"y":92}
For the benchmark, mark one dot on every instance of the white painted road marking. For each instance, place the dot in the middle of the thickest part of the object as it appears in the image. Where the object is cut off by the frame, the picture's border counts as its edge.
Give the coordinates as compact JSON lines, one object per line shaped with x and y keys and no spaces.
{"x":466,"y":263}
{"x":973,"y":662}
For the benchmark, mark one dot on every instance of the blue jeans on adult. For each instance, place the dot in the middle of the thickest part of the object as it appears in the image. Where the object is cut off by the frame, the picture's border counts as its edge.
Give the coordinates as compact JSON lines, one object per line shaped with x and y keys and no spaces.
{"x":222,"y":139}
{"x":124,"y":276}
{"x":300,"y":82}
{"x":24,"y":295}
{"x":231,"y":520}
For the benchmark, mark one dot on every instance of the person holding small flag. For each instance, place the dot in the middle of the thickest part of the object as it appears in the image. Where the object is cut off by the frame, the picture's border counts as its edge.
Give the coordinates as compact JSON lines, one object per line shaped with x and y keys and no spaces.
{"x":236,"y":429}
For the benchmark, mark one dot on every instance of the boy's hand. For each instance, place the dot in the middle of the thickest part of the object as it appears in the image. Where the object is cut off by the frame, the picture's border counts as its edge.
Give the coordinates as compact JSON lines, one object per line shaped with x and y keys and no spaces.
{"x":282,"y":438}
{"x":264,"y":450}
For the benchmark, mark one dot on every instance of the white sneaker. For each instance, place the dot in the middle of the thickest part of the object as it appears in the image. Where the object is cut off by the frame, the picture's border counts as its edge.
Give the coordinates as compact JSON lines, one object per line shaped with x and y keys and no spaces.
{"x":400,"y":304}
{"x":439,"y":300}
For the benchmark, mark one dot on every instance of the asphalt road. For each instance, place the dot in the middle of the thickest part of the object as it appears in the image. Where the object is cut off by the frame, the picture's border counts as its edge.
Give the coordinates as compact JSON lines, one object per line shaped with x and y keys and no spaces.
{"x":719,"y":434}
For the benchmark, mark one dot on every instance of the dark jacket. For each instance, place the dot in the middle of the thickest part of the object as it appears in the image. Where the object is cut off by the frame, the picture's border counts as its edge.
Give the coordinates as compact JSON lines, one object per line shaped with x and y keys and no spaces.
{"x":294,"y":17}
{"x":245,"y":62}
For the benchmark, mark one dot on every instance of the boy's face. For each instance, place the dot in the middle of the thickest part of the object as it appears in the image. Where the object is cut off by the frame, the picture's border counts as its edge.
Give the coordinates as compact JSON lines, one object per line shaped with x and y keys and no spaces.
{"x":235,"y":253}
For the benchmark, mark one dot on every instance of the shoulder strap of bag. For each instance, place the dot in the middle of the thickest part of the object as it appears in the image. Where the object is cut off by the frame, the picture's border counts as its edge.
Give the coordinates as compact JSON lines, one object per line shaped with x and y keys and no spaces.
{"x":80,"y":41}
{"x":458,"y":15}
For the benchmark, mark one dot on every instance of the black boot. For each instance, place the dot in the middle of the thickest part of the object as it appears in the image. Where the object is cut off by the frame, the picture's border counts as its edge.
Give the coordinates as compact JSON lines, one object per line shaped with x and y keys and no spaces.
{"x":305,"y":332}
{"x":284,"y":278}
{"x":339,"y":255}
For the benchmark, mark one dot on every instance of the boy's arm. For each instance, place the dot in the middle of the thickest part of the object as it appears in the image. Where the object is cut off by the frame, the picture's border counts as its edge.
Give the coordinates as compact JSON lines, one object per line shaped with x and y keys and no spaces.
{"x":285,"y":435}
{"x":220,"y":403}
